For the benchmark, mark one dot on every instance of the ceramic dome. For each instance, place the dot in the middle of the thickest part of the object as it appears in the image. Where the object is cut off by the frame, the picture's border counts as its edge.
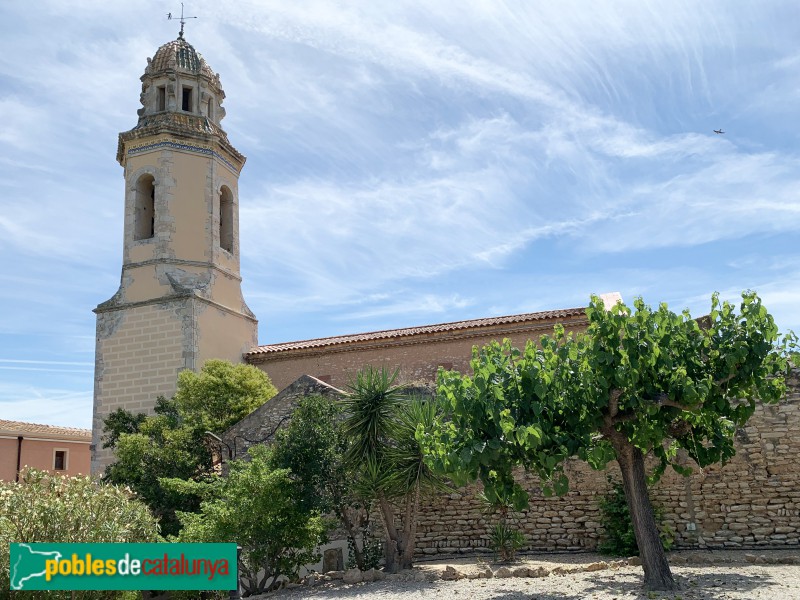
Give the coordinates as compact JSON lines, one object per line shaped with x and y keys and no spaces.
{"x":178,"y":55}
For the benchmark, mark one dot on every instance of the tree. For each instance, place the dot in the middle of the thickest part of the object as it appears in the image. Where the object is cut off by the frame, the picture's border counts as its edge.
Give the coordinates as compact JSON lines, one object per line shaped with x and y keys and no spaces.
{"x":381,"y":425}
{"x":161,"y":449}
{"x":122,"y":421}
{"x":256,"y":507}
{"x":172,"y":443}
{"x":221,"y":394}
{"x":312,"y":447}
{"x":635,"y":383}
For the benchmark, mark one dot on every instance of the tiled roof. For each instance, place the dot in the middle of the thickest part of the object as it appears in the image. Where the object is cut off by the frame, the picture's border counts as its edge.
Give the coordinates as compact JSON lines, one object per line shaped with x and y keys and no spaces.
{"x":178,"y":55}
{"x":36,"y":430}
{"x":411,"y":331}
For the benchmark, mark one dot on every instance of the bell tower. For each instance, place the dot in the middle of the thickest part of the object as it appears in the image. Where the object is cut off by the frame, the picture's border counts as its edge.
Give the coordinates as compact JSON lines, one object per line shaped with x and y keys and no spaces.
{"x":179,"y":302}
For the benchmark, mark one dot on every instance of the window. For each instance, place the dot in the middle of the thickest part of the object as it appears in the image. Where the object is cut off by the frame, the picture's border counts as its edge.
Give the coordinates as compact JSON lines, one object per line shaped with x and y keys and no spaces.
{"x":226,"y":219}
{"x":60,"y":460}
{"x":162,"y":98}
{"x":210,"y":111}
{"x":186,"y":99}
{"x":144,"y":208}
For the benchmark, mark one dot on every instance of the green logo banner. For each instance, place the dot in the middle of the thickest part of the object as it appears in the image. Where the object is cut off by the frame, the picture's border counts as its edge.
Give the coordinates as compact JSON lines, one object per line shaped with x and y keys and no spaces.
{"x":123,"y":566}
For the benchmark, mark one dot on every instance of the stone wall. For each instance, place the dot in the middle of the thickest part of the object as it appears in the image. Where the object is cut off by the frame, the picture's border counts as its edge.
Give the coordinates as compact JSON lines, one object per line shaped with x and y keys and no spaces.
{"x":260,"y":426}
{"x":754,"y":500}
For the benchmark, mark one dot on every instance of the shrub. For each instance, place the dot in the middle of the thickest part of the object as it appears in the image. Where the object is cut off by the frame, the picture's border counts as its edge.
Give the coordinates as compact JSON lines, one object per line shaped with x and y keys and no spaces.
{"x":505,"y":541}
{"x":50,"y":508}
{"x":256,"y":507}
{"x":615,"y":517}
{"x":370,"y":551}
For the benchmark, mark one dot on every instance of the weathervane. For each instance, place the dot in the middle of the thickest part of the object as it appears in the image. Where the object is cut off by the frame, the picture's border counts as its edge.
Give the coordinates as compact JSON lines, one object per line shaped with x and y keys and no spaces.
{"x":183,"y":20}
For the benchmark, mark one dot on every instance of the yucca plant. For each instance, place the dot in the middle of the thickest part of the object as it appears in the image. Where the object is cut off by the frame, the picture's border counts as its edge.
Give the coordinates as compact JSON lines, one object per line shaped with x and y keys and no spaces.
{"x":381,"y":422}
{"x":505,"y":541}
{"x":370,"y":407}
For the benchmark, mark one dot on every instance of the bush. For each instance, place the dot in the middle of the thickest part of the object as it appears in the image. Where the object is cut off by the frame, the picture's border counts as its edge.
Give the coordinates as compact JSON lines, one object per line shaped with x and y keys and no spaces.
{"x":370,"y":550}
{"x":505,"y":538}
{"x":615,"y":517}
{"x":257,"y":508}
{"x":51,"y":508}
{"x":505,"y":541}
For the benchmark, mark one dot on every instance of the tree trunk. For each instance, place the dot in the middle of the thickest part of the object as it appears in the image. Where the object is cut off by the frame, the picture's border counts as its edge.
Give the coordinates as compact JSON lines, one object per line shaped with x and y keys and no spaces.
{"x":657,"y":574}
{"x":410,"y":529}
{"x":390,"y":547}
{"x":350,"y":527}
{"x":390,"y":555}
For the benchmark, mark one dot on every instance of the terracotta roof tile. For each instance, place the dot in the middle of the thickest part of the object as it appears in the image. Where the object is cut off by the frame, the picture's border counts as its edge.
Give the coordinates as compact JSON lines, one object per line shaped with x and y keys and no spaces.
{"x":35,"y":429}
{"x":411,"y":331}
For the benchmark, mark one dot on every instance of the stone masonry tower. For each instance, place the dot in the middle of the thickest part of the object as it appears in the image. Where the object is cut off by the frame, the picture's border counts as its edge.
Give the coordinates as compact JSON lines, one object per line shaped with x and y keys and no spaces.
{"x":180,"y":301}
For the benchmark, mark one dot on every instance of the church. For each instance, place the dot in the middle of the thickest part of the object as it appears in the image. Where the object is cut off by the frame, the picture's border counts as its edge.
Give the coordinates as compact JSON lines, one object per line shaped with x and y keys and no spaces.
{"x":180,"y":302}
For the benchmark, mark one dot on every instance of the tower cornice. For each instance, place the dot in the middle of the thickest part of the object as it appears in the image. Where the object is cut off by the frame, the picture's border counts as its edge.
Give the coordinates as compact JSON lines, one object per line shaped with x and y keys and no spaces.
{"x":191,"y":133}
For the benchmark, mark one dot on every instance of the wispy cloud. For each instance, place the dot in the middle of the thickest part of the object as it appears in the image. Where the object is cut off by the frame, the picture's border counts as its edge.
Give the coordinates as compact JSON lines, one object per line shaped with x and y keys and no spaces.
{"x":45,"y":405}
{"x":409,"y":304}
{"x":410,"y":163}
{"x":46,"y":366}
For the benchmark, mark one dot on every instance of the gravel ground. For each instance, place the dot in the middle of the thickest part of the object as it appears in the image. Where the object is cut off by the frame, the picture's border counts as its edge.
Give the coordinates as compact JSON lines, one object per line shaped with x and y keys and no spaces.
{"x":720,"y":575}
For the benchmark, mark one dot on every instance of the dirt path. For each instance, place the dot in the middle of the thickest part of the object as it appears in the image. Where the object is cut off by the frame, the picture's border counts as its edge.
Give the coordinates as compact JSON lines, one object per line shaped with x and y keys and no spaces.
{"x":723,"y":575}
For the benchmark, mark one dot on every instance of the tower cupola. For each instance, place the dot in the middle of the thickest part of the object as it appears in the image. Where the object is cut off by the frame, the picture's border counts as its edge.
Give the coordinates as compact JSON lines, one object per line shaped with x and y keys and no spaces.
{"x":179,"y":81}
{"x":180,"y":94}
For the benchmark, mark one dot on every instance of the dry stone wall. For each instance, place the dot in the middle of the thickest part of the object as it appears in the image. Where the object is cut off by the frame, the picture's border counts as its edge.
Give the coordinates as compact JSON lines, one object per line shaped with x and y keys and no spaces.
{"x":753,"y":501}
{"x":261,"y":425}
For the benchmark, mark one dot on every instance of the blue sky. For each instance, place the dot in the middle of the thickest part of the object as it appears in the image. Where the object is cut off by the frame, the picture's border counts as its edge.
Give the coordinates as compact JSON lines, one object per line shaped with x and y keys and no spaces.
{"x":408,"y":163}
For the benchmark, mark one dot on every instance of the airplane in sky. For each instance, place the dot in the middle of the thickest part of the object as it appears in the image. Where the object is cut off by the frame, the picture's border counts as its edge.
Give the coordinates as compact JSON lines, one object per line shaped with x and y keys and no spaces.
{"x":718,"y":131}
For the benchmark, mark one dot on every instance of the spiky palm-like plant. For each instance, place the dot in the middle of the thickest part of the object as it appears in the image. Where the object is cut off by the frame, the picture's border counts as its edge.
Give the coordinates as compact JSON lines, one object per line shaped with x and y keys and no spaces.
{"x":381,"y":424}
{"x":370,"y":408}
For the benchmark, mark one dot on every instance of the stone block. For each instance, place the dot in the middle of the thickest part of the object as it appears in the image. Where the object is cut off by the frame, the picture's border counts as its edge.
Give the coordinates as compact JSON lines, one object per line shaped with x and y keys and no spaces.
{"x":353,"y":576}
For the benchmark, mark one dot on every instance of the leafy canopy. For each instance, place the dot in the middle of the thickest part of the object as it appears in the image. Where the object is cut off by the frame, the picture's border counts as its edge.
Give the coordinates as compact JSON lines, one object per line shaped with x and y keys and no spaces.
{"x":171,"y":444}
{"x":658,"y":380}
{"x":312,"y":447}
{"x":221,"y":394}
